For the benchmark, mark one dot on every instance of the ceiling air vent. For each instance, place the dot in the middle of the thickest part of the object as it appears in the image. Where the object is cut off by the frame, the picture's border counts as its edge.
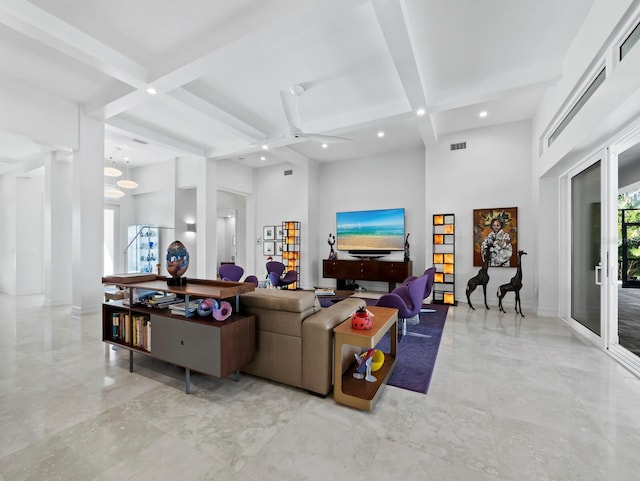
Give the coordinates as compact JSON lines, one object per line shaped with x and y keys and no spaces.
{"x":140,"y":141}
{"x":459,"y":146}
{"x":288,"y":172}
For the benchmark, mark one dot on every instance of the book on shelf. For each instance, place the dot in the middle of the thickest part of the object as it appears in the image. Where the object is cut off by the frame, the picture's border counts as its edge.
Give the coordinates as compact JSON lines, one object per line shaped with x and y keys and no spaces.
{"x":160,"y":301}
{"x":320,"y":291}
{"x":141,"y":331}
{"x":181,"y":308}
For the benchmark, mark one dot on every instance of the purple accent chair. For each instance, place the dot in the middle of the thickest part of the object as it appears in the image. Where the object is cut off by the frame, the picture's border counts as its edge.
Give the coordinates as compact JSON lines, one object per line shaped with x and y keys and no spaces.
{"x":407,"y":298}
{"x":275,"y":270}
{"x":251,"y":280}
{"x":230,"y":272}
{"x":431,"y":274}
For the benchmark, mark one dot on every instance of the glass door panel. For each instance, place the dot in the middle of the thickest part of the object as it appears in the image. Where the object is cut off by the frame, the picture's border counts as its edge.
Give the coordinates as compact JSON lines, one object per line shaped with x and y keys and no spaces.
{"x":585,"y":247}
{"x":629,"y":251}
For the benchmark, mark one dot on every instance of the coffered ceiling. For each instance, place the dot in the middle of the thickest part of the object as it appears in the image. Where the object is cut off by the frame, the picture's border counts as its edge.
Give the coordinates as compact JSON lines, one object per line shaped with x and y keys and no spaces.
{"x":218,"y":68}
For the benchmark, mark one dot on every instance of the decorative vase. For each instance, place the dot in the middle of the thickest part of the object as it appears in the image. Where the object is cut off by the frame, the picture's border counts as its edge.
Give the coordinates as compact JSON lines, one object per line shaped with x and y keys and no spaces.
{"x":177,"y":261}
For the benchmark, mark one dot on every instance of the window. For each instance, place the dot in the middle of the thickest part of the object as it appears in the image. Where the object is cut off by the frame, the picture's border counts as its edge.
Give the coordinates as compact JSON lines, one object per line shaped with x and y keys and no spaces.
{"x":578,"y":106}
{"x":630,"y":41}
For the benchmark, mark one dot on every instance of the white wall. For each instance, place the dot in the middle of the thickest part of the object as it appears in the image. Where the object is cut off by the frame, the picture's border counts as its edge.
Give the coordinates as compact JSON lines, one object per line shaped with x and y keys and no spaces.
{"x":281,"y":198}
{"x":387,"y":181}
{"x":185,"y":211}
{"x":493,"y":172}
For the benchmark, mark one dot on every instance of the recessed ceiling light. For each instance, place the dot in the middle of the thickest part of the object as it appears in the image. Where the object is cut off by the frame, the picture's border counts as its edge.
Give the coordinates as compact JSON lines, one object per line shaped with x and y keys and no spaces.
{"x":421,"y":112}
{"x":262,"y":157}
{"x":381,"y":134}
{"x":265,"y":146}
{"x":324,"y":146}
{"x":151,"y":91}
{"x":483,"y":114}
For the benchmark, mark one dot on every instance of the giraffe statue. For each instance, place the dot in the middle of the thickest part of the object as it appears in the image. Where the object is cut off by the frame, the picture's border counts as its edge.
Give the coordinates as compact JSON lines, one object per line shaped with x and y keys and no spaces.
{"x":480,"y":279}
{"x":515,"y":284}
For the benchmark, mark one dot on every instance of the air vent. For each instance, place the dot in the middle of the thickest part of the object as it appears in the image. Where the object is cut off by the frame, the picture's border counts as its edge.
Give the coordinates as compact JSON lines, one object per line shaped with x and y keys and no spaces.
{"x":459,"y":146}
{"x":140,"y":141}
{"x":288,"y":172}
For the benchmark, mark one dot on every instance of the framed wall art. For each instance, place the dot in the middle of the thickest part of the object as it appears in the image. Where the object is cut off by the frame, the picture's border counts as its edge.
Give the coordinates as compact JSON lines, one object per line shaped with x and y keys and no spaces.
{"x":268,"y":232}
{"x":279,"y":232}
{"x":279,"y":248}
{"x":268,"y":248}
{"x":496,"y":230}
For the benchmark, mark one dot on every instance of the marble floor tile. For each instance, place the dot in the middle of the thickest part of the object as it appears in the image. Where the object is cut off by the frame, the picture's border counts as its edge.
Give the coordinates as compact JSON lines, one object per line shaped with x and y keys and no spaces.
{"x":511,"y":398}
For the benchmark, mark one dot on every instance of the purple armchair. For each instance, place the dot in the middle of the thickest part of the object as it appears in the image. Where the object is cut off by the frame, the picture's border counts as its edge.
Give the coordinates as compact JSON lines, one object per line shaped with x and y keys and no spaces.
{"x":431,"y":274}
{"x":230,"y":272}
{"x":407,"y":298}
{"x":275,"y":270}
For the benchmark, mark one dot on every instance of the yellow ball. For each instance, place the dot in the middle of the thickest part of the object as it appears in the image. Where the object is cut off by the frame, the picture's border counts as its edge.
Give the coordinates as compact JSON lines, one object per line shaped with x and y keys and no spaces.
{"x":378,"y":360}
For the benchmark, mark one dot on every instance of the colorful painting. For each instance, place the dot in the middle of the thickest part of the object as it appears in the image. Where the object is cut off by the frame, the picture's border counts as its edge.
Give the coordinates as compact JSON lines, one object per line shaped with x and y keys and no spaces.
{"x":496,"y":230}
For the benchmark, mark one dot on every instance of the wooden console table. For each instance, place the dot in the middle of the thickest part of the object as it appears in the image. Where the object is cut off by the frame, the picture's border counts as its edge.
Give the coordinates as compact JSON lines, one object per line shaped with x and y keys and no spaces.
{"x":359,"y":393}
{"x":202,"y":344}
{"x":386,"y":271}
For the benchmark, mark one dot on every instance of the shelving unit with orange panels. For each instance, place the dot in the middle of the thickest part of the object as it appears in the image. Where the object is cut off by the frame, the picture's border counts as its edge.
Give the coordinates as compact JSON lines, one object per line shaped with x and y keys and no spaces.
{"x":291,"y":248}
{"x":444,"y":256}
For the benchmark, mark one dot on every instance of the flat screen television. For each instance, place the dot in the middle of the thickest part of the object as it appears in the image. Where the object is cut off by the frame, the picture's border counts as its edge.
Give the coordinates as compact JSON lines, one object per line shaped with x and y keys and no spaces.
{"x":370,"y":232}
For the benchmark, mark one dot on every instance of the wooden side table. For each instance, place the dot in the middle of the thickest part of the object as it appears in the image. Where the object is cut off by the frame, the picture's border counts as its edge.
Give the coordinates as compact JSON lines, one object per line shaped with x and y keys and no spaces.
{"x":359,"y":393}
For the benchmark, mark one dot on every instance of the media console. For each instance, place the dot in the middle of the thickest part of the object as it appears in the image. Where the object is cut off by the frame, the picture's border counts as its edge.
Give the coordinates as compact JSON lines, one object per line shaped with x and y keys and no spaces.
{"x":366,"y":270}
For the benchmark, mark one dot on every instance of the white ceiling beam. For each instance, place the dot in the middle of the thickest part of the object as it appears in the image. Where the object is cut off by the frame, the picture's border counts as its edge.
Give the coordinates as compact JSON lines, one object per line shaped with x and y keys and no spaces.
{"x":29,"y":20}
{"x":127,"y":127}
{"x":112,"y":103}
{"x":490,"y":89}
{"x":392,"y":21}
{"x":223,"y":119}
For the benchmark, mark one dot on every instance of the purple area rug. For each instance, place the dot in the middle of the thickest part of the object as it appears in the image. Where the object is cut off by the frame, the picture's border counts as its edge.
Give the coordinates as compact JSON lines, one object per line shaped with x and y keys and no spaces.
{"x":416,"y":356}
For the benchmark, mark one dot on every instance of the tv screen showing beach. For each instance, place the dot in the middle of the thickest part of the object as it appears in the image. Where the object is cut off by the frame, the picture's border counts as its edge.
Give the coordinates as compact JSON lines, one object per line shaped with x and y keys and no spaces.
{"x":370,"y":230}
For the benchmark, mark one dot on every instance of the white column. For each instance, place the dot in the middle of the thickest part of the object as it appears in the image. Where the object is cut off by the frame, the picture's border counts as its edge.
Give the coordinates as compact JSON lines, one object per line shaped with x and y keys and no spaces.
{"x":207,"y":218}
{"x":57,"y":228}
{"x":87,"y":220}
{"x":8,"y":233}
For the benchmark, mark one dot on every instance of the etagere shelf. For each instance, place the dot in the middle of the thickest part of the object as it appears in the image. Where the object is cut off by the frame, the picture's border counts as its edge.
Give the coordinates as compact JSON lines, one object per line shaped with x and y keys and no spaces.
{"x":444,"y":256}
{"x":291,"y":249}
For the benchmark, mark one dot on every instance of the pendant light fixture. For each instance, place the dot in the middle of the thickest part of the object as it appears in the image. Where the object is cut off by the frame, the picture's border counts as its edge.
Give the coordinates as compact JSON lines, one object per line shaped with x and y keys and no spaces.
{"x":112,"y":192}
{"x":127,"y":183}
{"x":110,"y":170}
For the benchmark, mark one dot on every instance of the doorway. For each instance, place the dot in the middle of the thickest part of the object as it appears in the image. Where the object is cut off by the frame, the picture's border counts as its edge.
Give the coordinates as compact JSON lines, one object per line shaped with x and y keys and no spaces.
{"x":227,"y":236}
{"x":626,"y":315}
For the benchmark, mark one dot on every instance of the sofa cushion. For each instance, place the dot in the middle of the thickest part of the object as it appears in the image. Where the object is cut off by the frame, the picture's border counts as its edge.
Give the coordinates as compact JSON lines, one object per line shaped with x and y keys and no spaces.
{"x":280,"y":311}
{"x":281,"y":300}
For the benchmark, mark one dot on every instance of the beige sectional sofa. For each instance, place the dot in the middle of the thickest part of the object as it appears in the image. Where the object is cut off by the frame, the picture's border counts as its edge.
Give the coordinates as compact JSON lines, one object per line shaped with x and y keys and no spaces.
{"x":294,"y":337}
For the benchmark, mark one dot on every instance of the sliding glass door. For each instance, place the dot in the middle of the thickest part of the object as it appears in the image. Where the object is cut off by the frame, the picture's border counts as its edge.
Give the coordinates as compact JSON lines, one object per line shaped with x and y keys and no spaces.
{"x":586,"y":267}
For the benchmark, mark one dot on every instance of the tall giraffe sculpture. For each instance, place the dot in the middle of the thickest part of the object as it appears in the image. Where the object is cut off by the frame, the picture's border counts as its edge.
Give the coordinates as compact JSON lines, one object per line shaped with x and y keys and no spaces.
{"x":480,"y":279}
{"x":515,"y":284}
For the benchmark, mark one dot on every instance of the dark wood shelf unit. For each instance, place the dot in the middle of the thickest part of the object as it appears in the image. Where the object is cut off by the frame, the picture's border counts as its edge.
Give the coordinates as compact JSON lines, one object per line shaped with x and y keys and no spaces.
{"x":366,"y":270}
{"x":201,"y":344}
